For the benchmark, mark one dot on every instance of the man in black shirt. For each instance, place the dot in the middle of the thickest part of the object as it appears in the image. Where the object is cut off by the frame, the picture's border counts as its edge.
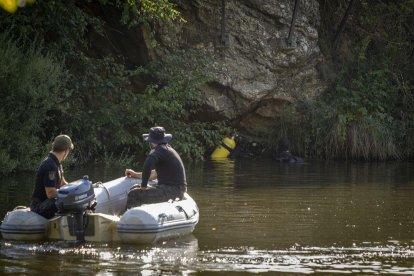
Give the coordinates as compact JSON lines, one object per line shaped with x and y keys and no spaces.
{"x":164,"y":164}
{"x":49,"y":178}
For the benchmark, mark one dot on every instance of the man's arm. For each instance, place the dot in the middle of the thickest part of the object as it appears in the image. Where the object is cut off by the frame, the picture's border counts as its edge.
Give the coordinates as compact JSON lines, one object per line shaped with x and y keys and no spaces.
{"x":134,"y":174}
{"x":51,"y":192}
{"x":153,"y":175}
{"x":51,"y":182}
{"x":63,"y":181}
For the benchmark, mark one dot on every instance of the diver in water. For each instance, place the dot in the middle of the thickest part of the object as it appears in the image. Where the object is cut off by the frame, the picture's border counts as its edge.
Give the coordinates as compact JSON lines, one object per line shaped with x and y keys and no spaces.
{"x":285,"y":156}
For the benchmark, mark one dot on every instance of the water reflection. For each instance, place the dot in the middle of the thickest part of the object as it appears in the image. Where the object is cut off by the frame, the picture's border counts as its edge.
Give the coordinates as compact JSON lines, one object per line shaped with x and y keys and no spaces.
{"x":312,"y":204}
{"x":365,"y":260}
{"x":169,"y":255}
{"x":183,"y":257}
{"x":256,"y":216}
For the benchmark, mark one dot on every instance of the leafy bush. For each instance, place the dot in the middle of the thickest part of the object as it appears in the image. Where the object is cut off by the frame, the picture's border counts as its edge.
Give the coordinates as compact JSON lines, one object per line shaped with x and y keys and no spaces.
{"x":354,"y":119}
{"x":112,"y":117}
{"x":367,"y":111}
{"x":290,"y":124}
{"x":176,"y":100}
{"x":97,"y":103}
{"x":30,"y":85}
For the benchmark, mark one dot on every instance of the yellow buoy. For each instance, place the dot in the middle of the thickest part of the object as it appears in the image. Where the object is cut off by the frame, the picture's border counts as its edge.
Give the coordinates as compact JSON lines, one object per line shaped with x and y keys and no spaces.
{"x":11,"y":5}
{"x":224,"y":149}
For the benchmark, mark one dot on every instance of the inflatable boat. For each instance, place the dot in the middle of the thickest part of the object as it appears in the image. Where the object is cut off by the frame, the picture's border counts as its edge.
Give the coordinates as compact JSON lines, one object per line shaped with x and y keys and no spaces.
{"x":98,"y":214}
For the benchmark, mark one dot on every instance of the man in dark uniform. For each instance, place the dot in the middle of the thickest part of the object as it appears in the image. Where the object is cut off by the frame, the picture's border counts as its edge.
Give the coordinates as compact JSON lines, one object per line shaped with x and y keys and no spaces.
{"x":49,"y":178}
{"x":164,"y":164}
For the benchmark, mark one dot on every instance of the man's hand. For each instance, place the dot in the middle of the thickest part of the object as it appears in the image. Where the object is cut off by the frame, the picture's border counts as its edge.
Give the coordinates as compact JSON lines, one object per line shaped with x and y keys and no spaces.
{"x":138,"y":186}
{"x":97,"y":184}
{"x":148,"y":188}
{"x":63,"y":181}
{"x":131,"y":173}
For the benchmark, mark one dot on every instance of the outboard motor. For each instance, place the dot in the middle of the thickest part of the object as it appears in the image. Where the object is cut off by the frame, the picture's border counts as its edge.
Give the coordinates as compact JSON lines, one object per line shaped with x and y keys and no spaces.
{"x":76,"y":198}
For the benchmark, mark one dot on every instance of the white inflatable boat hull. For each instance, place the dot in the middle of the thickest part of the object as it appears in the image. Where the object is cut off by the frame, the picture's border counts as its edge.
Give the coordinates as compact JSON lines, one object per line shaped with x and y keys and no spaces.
{"x":144,"y":224}
{"x":112,"y":196}
{"x":23,"y":224}
{"x":153,"y":222}
{"x":100,"y":228}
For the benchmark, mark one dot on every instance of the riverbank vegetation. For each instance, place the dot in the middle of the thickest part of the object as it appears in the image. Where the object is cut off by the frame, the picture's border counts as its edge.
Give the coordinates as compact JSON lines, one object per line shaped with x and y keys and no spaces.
{"x":366,"y":113}
{"x":51,"y":83}
{"x":30,"y":84}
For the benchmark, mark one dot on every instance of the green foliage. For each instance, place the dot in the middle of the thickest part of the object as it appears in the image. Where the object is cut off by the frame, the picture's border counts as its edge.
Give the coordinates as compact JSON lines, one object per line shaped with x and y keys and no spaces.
{"x":367,"y":113}
{"x":63,"y":24}
{"x":176,"y":96}
{"x":147,"y":11}
{"x":100,"y":109}
{"x":290,"y":123}
{"x":30,"y":85}
{"x":94,"y":99}
{"x":111,"y":118}
{"x":354,"y":120}
{"x":175,"y":100}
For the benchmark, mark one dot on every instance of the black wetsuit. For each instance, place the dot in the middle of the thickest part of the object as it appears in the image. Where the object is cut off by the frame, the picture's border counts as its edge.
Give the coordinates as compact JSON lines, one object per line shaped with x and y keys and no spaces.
{"x":287,"y":157}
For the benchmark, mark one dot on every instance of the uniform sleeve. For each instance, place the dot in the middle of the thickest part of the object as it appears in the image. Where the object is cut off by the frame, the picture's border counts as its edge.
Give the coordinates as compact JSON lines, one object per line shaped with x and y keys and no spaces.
{"x":50,"y":177}
{"x":149,"y":164}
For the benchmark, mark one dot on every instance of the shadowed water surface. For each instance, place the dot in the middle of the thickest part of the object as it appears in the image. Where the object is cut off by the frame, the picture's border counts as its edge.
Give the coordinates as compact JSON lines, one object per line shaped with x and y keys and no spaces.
{"x":256,"y":216}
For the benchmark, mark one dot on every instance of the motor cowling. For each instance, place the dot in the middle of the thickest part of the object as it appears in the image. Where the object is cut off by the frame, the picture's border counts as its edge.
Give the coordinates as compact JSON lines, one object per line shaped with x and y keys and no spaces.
{"x":75,"y":197}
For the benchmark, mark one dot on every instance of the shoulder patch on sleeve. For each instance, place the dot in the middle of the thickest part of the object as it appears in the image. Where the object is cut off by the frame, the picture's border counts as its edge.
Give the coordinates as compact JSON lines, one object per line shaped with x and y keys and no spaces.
{"x":52,"y":175}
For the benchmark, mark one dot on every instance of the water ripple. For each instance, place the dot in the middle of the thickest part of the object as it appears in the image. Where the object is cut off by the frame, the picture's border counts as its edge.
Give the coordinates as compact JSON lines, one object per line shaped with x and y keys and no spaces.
{"x":186,"y":256}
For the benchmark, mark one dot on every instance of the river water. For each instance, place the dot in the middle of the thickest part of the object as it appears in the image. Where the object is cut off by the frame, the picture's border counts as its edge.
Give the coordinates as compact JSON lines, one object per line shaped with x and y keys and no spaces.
{"x":256,"y":216}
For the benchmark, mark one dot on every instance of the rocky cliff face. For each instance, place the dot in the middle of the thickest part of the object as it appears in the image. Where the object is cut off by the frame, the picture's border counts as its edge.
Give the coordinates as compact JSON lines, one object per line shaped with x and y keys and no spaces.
{"x":258,"y":70}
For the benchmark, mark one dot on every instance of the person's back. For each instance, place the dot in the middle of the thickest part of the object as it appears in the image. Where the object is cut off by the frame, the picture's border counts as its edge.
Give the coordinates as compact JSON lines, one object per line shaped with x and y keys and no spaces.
{"x":168,"y":165}
{"x":49,"y":178}
{"x":47,"y":175}
{"x":163,"y":163}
